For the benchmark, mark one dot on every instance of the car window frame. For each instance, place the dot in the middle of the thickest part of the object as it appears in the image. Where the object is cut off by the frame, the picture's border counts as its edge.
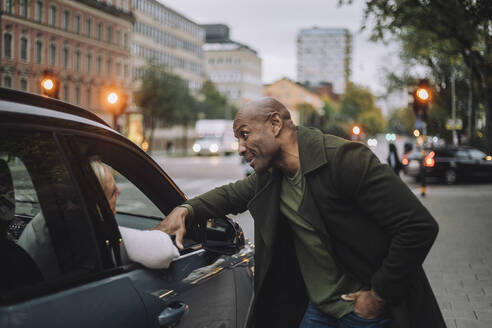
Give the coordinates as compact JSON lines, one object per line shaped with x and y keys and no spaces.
{"x":66,"y":281}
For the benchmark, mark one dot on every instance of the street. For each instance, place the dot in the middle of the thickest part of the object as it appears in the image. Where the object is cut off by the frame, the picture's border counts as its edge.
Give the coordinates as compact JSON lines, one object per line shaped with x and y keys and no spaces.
{"x":459,"y":266}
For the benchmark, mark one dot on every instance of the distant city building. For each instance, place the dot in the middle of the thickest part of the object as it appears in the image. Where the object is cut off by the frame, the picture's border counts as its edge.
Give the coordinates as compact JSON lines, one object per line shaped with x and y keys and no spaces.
{"x":83,"y":44}
{"x":168,"y":38}
{"x":233,"y":67}
{"x":324,"y":55}
{"x":292,"y":94}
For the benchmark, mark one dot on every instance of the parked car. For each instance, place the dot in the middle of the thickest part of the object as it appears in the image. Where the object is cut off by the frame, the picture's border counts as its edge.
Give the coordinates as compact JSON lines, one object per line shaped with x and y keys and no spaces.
{"x":46,"y":147}
{"x":449,"y":164}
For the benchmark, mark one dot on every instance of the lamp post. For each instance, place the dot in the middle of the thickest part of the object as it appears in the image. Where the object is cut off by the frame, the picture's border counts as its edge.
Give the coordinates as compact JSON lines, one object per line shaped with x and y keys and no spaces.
{"x":115,"y":103}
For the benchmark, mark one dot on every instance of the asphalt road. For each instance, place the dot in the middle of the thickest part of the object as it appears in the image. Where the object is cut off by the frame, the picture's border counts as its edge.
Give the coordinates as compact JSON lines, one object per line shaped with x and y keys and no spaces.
{"x":459,"y":266}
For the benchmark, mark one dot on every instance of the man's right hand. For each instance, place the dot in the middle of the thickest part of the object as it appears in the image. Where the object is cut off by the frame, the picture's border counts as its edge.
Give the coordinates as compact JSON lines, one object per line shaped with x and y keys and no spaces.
{"x":174,"y":224}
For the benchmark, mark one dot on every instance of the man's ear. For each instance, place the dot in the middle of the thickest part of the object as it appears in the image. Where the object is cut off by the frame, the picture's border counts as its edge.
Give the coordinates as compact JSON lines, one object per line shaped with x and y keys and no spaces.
{"x":277,"y":123}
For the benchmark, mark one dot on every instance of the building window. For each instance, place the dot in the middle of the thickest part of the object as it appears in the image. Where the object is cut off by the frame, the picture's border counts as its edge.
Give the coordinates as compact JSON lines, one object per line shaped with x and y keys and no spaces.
{"x":38,"y":51}
{"x":118,"y":69}
{"x":77,"y":61}
{"x":125,"y":70}
{"x":23,"y":48}
{"x":23,"y":8}
{"x":108,"y":67}
{"x":99,"y":65}
{"x":7,"y":45}
{"x":89,"y":63}
{"x":89,"y":97}
{"x":125,"y":40}
{"x":52,"y":54}
{"x":7,"y":81}
{"x":8,"y":6}
{"x":99,"y":31}
{"x":109,"y":33}
{"x":65,"y":57}
{"x":77,"y":95}
{"x":66,"y":95}
{"x":23,"y":84}
{"x":77,"y":24}
{"x":52,"y":15}
{"x":38,"y":11}
{"x":118,"y":38}
{"x":66,"y":19}
{"x":89,"y":27}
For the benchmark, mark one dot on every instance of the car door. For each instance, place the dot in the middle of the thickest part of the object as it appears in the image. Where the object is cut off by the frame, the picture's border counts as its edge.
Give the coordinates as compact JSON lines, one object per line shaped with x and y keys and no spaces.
{"x":59,"y":253}
{"x":198,"y":289}
{"x":482,"y":167}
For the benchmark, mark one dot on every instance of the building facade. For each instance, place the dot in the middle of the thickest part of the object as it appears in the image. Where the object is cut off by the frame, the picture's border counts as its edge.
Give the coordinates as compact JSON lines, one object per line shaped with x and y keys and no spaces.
{"x":167,"y":38}
{"x":292,"y":94}
{"x":233,"y":67}
{"x":83,"y":44}
{"x":324,"y":55}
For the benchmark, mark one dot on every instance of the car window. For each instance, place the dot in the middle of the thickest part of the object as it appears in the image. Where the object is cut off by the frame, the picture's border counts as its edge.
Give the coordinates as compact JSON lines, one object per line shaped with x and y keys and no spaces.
{"x":476,"y":154}
{"x":462,"y":154}
{"x":146,"y":196}
{"x":46,"y":234}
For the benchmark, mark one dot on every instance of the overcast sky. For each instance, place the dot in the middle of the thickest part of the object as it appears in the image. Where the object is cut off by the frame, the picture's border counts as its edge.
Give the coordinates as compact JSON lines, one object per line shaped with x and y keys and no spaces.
{"x":271,"y":26}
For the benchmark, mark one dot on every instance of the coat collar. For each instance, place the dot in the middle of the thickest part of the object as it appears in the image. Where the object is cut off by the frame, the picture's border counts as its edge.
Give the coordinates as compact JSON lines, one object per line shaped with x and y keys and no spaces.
{"x":311,"y":149}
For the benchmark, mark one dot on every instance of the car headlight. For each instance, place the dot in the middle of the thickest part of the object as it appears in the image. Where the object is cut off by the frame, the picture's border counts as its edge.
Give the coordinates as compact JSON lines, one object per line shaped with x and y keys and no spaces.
{"x":197,"y":148}
{"x":213,"y":148}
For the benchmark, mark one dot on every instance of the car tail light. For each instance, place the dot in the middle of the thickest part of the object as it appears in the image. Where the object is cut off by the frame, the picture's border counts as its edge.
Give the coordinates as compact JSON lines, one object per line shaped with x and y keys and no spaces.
{"x":429,"y":160}
{"x":404,"y":160}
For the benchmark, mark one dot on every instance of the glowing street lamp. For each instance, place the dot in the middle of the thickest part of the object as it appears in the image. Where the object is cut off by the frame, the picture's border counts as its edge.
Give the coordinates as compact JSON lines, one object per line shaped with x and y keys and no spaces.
{"x":356,"y":130}
{"x":49,"y":85}
{"x":114,"y":101}
{"x":112,"y":98}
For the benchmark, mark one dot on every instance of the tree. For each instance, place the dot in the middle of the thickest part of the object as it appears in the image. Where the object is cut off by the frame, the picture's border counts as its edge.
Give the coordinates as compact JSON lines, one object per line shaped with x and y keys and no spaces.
{"x":164,"y":99}
{"x":402,"y":121}
{"x":460,"y":31}
{"x":358,"y":106}
{"x":215,"y":105}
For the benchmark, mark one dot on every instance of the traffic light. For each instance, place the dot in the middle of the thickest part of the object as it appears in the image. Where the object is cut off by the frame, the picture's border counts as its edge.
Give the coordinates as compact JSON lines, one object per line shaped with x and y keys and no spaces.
{"x":421,"y":99}
{"x":50,"y":85}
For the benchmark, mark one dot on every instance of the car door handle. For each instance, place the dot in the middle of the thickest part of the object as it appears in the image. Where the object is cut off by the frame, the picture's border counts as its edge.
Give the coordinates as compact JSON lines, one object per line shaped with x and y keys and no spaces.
{"x":172,"y":314}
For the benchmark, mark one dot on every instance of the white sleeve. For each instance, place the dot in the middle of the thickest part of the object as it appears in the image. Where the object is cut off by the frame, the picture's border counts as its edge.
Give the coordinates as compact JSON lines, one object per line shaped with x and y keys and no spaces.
{"x":153,"y":249}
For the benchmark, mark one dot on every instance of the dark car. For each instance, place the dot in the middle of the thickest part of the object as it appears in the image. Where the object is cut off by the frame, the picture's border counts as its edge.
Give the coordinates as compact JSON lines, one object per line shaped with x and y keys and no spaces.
{"x":449,"y":164}
{"x":46,"y":147}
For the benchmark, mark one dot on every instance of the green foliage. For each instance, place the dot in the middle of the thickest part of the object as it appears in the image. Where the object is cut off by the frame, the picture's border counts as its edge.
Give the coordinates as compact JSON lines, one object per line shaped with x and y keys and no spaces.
{"x":164,"y":99}
{"x":402,"y":121}
{"x":445,"y":36}
{"x":214,"y":105}
{"x":358,"y":107}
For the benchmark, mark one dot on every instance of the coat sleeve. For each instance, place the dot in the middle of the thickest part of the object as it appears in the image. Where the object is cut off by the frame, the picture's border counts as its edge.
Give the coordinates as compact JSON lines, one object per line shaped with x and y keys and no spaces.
{"x":231,"y":198}
{"x":387,"y":200}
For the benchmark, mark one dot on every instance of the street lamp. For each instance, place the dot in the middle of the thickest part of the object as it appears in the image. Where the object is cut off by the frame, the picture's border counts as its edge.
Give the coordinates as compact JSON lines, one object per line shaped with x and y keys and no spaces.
{"x":49,"y":85}
{"x":114,"y":100}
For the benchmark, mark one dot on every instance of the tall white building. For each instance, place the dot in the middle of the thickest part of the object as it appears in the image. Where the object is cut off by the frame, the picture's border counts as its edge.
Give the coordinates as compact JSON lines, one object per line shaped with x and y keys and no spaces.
{"x":168,"y":38}
{"x":324,"y":55}
{"x":233,"y":67}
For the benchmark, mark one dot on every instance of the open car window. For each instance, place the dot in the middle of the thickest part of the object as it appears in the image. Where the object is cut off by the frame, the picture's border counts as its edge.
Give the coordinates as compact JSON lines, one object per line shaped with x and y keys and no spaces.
{"x":146,"y":196}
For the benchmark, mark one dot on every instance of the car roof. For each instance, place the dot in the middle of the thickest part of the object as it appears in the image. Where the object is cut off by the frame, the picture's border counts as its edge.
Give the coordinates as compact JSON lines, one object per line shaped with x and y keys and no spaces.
{"x":45,"y":106}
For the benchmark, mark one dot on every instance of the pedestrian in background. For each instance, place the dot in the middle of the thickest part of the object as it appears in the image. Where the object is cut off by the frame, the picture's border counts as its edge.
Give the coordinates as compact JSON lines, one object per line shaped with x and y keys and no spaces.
{"x":393,"y":159}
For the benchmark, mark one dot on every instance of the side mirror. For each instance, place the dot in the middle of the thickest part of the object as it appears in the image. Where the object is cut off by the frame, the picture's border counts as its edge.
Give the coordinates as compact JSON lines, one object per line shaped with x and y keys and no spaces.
{"x":223,"y":236}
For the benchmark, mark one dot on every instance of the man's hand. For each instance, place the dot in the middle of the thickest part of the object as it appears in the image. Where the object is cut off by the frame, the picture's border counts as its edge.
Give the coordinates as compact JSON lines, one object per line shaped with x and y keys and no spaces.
{"x":367,"y":303}
{"x":174,"y":224}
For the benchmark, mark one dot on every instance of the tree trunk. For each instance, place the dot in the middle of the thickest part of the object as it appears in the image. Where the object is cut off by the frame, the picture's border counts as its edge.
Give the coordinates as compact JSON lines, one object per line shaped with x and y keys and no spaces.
{"x":185,"y":138}
{"x":151,"y":136}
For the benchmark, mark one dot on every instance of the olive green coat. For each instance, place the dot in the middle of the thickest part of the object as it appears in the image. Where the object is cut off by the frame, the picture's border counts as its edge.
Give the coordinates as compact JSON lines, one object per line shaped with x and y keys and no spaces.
{"x":379,"y":230}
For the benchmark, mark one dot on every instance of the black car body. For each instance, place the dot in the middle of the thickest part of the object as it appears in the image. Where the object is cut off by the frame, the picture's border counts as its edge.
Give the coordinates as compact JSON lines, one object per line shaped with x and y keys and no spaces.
{"x":47,"y":145}
{"x":449,"y":164}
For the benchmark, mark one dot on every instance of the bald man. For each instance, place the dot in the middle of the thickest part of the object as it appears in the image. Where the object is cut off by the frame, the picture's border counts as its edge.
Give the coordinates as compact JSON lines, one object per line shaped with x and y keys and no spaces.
{"x":340,"y":239}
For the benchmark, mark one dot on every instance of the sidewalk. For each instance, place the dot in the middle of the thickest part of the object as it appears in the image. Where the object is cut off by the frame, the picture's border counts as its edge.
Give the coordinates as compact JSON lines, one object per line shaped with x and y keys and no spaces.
{"x":459,"y":265}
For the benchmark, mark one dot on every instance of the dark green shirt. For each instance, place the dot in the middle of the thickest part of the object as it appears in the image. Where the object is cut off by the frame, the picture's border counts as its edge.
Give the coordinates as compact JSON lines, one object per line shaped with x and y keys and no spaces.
{"x":324,"y":281}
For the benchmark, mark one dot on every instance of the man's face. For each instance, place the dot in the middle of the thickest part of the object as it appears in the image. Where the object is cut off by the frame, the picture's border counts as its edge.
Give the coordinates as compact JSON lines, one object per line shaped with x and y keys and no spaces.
{"x":257,"y":143}
{"x":111,"y":190}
